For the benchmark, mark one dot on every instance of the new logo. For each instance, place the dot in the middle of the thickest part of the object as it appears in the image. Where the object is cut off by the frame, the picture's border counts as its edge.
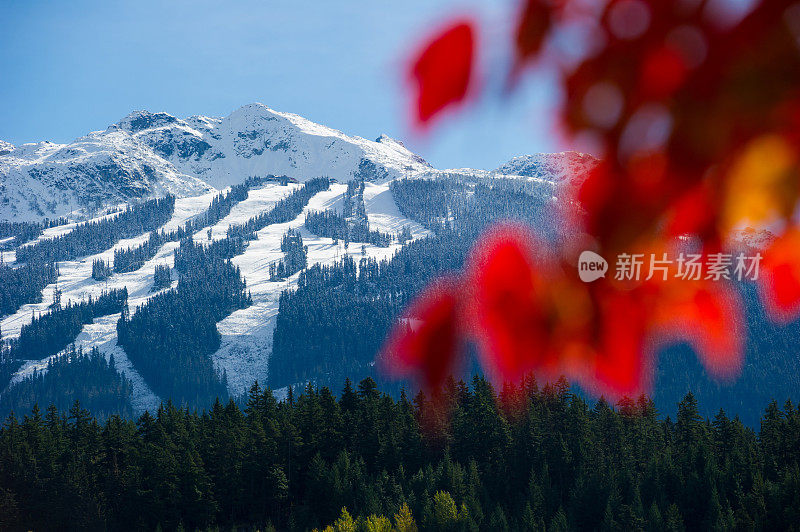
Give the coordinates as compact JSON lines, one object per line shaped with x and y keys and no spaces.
{"x":591,"y":266}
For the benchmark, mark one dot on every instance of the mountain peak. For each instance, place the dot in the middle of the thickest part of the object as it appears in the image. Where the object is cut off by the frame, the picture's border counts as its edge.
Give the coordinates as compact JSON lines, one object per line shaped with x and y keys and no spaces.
{"x":140,"y":120}
{"x":386,"y":138}
{"x":148,"y":154}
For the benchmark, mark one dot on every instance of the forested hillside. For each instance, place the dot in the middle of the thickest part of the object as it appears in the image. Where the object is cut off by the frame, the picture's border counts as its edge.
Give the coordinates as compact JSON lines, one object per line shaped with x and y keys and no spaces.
{"x":95,"y":236}
{"x":71,"y":375}
{"x":172,"y":337}
{"x":24,"y":284}
{"x":333,"y":319}
{"x":528,"y":459}
{"x":130,"y":259}
{"x":22,"y":232}
{"x":352,"y":224}
{"x":48,"y":334}
{"x":334,"y":324}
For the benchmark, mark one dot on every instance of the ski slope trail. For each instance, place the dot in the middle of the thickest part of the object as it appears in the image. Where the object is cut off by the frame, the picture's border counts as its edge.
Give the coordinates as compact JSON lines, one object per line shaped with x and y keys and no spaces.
{"x":247,"y":333}
{"x":76,"y":284}
{"x":61,"y":230}
{"x":75,"y":276}
{"x":383,"y":214}
{"x":259,"y":200}
{"x":102,"y":333}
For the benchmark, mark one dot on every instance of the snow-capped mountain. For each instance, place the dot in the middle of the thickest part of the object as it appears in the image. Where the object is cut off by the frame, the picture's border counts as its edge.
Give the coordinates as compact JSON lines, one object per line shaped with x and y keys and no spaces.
{"x":96,"y":171}
{"x":256,"y":141}
{"x":151,"y":154}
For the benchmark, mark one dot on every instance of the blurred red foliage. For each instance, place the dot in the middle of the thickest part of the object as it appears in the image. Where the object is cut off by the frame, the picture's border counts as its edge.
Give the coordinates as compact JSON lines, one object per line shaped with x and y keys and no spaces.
{"x":443,"y":70}
{"x":697,"y":118}
{"x":427,"y":342}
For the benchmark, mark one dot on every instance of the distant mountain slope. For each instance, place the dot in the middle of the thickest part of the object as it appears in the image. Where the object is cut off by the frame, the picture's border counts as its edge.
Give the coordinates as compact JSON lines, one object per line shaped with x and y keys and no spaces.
{"x":95,"y":171}
{"x":557,"y":167}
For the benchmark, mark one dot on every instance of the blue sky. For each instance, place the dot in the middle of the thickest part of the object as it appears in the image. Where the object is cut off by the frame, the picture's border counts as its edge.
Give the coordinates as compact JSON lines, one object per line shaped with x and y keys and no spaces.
{"x":67,"y":68}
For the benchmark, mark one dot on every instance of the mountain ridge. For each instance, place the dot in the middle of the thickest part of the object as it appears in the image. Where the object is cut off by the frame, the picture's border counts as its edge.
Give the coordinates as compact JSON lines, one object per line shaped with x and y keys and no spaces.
{"x":149,"y":154}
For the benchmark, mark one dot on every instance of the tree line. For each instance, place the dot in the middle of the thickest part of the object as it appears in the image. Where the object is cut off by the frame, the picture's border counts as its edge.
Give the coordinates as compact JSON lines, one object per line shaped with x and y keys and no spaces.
{"x":473,"y":458}
{"x":71,"y":375}
{"x":286,"y":210}
{"x":24,"y":284}
{"x":334,"y":324}
{"x":452,"y":204}
{"x":132,"y":258}
{"x":23,"y":232}
{"x":350,"y":226}
{"x":170,"y":339}
{"x":93,"y":237}
{"x":295,"y":256}
{"x":162,"y":277}
{"x":331,"y":224}
{"x":49,"y":333}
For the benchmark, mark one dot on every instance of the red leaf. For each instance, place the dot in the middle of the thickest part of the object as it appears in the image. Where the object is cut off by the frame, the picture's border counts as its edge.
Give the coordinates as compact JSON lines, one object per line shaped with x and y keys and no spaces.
{"x":663,"y":72}
{"x":621,"y":366}
{"x":425,"y":343}
{"x":534,"y":23}
{"x":707,"y":315}
{"x":780,"y":277}
{"x":694,"y":212}
{"x":514,"y":305}
{"x":443,"y":70}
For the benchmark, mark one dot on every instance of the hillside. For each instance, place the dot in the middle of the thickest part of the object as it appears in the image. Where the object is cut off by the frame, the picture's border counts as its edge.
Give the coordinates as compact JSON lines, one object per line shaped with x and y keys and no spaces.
{"x":216,"y":291}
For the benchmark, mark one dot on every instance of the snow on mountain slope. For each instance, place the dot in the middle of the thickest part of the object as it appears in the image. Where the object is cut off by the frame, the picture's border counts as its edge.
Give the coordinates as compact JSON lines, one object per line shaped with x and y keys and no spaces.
{"x":555,"y":167}
{"x":258,"y":200}
{"x":247,"y":333}
{"x":76,"y":284}
{"x":75,"y":276}
{"x":150,"y":154}
{"x":383,"y":214}
{"x":102,"y":333}
{"x":92,"y":173}
{"x":63,"y":229}
{"x":258,"y":141}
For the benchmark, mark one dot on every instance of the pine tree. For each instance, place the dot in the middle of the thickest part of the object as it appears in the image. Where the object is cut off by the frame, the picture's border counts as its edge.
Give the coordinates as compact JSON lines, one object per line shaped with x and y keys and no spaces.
{"x":559,"y":522}
{"x":674,"y":520}
{"x":444,"y":514}
{"x":404,"y":520}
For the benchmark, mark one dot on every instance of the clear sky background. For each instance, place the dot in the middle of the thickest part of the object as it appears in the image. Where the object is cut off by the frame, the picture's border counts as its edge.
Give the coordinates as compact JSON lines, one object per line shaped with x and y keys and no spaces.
{"x":67,"y":68}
